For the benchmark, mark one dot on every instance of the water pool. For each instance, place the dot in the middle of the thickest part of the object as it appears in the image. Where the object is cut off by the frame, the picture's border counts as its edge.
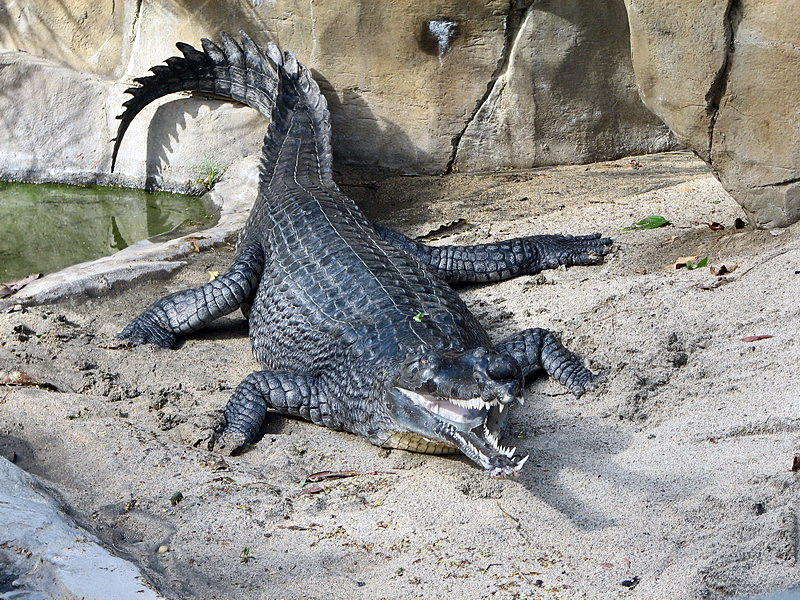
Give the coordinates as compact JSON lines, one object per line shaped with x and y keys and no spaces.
{"x":44,"y":227}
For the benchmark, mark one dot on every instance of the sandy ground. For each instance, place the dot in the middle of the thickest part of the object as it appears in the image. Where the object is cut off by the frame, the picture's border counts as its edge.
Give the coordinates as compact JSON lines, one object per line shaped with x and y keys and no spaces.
{"x":674,"y":480}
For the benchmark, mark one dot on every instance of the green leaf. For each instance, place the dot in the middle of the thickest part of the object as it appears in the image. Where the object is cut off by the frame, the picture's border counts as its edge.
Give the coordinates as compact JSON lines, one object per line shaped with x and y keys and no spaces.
{"x":419,"y":316}
{"x":651,"y":222}
{"x":697,"y":265}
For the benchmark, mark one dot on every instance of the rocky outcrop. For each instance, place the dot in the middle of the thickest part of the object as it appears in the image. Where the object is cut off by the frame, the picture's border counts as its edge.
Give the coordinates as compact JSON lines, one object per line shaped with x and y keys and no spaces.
{"x":567,"y":94}
{"x":43,"y":554}
{"x":724,"y":76}
{"x":408,"y":83}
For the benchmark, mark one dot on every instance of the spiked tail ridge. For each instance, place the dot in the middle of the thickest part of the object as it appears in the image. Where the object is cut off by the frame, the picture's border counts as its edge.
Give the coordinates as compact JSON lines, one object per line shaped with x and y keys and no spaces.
{"x":298,"y":144}
{"x":242,"y":72}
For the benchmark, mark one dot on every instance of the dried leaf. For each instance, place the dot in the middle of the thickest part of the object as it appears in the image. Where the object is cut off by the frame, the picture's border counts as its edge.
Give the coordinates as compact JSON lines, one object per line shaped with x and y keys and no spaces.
{"x":723,"y":269}
{"x":446,"y":230}
{"x":196,"y":246}
{"x":651,"y":222}
{"x":12,"y":287}
{"x":323,"y":475}
{"x":714,"y":226}
{"x":21,"y":379}
{"x":755,"y":338}
{"x":670,"y":239}
{"x":681,"y":261}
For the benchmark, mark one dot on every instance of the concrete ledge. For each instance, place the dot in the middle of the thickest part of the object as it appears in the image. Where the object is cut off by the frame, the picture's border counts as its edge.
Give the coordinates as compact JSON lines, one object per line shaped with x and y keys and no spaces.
{"x":51,"y":557}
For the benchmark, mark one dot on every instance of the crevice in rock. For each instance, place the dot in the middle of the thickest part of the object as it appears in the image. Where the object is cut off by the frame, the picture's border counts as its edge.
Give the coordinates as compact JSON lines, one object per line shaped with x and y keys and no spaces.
{"x":517,"y":9}
{"x":779,"y":183}
{"x":720,"y":83}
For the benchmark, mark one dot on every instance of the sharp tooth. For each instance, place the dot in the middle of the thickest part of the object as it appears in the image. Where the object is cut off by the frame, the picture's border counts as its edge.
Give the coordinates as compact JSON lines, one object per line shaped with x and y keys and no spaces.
{"x":501,"y":407}
{"x":509,"y":452}
{"x":518,"y":466}
{"x":522,"y":400}
{"x":491,"y":438}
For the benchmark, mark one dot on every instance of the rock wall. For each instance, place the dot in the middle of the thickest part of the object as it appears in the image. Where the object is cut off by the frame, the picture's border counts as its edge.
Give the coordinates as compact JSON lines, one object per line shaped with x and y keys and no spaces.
{"x":724,"y":75}
{"x":567,"y":95}
{"x":423,"y":86}
{"x":413,"y":86}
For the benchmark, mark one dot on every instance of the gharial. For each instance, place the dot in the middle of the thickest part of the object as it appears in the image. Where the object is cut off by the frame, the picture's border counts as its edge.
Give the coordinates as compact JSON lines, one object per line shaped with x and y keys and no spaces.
{"x":355,"y":325}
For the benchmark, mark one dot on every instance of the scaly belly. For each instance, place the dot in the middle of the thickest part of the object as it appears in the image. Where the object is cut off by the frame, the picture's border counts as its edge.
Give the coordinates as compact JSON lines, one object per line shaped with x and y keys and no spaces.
{"x":405,"y":440}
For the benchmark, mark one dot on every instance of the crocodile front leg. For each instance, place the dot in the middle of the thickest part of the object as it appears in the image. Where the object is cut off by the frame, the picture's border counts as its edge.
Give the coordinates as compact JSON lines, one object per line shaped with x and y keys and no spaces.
{"x":503,"y":260}
{"x":186,"y":311}
{"x":294,"y":394}
{"x":539,"y":348}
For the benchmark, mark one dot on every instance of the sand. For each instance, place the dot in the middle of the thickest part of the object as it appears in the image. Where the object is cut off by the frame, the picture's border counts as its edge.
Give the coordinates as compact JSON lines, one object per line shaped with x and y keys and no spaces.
{"x":673,"y":480}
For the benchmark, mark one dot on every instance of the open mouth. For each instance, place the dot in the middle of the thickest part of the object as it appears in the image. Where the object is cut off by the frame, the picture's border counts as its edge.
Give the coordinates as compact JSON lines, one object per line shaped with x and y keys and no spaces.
{"x":462,"y":414}
{"x":466,"y":424}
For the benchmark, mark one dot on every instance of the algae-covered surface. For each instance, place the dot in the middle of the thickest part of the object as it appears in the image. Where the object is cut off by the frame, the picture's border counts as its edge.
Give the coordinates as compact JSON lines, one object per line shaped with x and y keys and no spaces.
{"x":47,"y":227}
{"x":676,"y":479}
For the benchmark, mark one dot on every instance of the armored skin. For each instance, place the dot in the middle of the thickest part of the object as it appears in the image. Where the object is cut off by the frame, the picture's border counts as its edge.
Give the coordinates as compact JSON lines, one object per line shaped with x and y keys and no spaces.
{"x":356,"y":326}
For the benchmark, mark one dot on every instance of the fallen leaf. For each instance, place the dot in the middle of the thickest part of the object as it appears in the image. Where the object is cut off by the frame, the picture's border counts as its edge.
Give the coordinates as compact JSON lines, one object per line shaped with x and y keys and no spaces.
{"x":196,"y":246}
{"x":212,"y":275}
{"x":755,"y":338}
{"x":714,"y":226}
{"x":670,"y":239}
{"x":323,"y":475}
{"x":446,"y":230}
{"x":651,"y":222}
{"x":21,"y":379}
{"x":715,"y":284}
{"x":690,"y":265}
{"x":681,"y":261}
{"x":12,"y":287}
{"x":723,"y":269}
{"x":313,"y":489}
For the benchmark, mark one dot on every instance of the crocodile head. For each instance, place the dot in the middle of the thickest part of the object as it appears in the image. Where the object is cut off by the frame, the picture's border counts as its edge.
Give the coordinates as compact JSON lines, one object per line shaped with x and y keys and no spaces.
{"x":460,"y":398}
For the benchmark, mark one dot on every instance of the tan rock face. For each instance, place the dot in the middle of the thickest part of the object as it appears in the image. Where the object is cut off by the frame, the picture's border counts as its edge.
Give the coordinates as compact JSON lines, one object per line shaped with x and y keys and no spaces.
{"x":725,"y":76}
{"x":568,"y":94}
{"x":404,"y":79}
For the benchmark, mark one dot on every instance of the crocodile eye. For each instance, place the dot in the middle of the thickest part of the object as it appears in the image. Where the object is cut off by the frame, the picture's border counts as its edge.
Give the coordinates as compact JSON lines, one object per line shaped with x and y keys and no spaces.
{"x":502,"y":368}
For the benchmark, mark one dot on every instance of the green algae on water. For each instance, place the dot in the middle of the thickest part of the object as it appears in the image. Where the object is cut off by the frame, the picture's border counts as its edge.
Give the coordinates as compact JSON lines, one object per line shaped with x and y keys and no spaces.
{"x":46,"y":227}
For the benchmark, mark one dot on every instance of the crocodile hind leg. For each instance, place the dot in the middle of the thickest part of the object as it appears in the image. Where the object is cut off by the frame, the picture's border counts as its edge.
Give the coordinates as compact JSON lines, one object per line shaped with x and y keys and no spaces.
{"x":503,"y":260}
{"x":186,"y":311}
{"x":539,"y":348}
{"x":294,"y":394}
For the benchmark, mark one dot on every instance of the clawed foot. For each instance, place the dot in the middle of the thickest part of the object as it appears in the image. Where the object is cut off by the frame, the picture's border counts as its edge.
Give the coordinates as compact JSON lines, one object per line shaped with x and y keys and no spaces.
{"x":572,"y":251}
{"x":587,"y":382}
{"x":228,"y":442}
{"x":143,"y":330}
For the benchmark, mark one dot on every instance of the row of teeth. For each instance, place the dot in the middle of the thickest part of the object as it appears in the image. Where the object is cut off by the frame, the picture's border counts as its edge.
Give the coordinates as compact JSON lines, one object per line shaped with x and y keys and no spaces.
{"x":479,"y":403}
{"x":495,"y":443}
{"x":471,"y":403}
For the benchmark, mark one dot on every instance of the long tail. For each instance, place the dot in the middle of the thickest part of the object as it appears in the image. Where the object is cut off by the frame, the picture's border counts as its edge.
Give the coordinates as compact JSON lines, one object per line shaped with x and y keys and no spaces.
{"x":244,"y":73}
{"x":298,"y":143}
